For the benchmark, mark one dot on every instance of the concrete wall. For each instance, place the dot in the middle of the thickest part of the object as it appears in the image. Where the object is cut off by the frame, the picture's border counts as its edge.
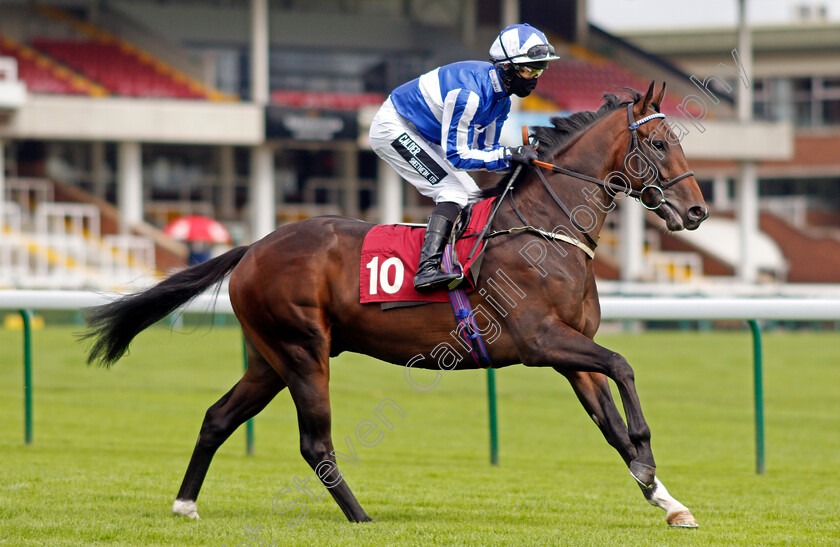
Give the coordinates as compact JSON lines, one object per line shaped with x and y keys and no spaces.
{"x":721,"y":140}
{"x":141,"y":120}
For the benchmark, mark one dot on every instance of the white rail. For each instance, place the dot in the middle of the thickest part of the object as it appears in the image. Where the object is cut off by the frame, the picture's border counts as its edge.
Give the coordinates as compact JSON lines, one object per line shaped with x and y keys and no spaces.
{"x":74,"y":300}
{"x":612,"y":307}
{"x":616,"y":308}
{"x":60,"y":247}
{"x":787,"y":309}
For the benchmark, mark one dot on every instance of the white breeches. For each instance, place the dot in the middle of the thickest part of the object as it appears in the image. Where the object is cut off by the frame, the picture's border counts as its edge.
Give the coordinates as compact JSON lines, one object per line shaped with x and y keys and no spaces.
{"x":420,"y":162}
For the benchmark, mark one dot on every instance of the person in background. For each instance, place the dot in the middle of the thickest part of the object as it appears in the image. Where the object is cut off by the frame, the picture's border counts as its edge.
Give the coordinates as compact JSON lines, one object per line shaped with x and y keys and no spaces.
{"x":199,"y":252}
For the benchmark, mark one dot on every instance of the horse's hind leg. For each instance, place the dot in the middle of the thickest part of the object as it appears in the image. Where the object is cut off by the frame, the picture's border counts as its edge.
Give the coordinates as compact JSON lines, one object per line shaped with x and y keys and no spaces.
{"x":593,"y":391}
{"x":248,"y":397}
{"x":305,"y":365}
{"x":310,"y":393}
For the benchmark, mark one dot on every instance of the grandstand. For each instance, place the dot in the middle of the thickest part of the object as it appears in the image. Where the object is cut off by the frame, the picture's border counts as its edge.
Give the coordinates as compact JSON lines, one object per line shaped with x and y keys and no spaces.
{"x":44,"y":75}
{"x":117,"y":70}
{"x":141,"y":111}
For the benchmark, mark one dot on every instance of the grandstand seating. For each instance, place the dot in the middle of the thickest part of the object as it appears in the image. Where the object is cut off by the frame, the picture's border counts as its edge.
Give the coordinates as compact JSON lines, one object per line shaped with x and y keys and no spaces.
{"x":800,"y":247}
{"x":49,"y":244}
{"x":117,"y":62}
{"x":118,"y":70}
{"x":40,"y":74}
{"x":662,"y":261}
{"x":577,"y":84}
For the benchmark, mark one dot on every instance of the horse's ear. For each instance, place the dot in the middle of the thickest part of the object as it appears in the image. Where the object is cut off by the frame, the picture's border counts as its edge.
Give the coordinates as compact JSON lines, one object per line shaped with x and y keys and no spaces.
{"x":658,"y":99}
{"x":648,"y":96}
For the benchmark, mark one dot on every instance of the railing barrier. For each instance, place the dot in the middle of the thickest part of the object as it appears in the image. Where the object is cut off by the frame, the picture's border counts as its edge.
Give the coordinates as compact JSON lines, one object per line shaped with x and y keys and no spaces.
{"x":636,"y":308}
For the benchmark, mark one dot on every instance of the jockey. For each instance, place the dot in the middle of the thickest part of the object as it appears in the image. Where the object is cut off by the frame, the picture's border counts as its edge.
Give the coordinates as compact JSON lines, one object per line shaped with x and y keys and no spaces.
{"x":435,"y":128}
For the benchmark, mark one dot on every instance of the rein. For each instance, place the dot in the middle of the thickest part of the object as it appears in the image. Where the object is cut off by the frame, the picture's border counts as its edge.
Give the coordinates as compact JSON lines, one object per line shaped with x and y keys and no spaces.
{"x":633,"y":125}
{"x":634,"y":144}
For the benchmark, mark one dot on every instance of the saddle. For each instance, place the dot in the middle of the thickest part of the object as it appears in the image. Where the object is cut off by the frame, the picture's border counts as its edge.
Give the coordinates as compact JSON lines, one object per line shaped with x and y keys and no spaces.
{"x":390,"y":254}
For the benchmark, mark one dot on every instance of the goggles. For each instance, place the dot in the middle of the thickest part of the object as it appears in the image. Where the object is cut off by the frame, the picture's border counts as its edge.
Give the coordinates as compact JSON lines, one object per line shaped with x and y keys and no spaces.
{"x":527,"y":72}
{"x":540,"y":51}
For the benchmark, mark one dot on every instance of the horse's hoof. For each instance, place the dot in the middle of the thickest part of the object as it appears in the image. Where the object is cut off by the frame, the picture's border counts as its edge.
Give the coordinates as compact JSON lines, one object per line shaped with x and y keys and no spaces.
{"x":643,"y":473}
{"x":186,"y":508}
{"x":681,"y":519}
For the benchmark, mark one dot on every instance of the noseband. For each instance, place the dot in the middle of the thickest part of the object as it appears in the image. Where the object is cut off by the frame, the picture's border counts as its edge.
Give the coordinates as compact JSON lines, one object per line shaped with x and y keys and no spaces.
{"x":633,"y":146}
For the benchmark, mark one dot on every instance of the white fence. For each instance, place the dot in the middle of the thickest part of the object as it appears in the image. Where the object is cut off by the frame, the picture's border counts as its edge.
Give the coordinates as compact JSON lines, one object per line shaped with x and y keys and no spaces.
{"x":782,"y":309}
{"x":612,"y":308}
{"x":75,"y":300}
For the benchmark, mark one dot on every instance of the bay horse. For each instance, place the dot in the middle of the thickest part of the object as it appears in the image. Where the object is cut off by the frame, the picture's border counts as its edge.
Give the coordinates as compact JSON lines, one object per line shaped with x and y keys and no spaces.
{"x":296,"y":295}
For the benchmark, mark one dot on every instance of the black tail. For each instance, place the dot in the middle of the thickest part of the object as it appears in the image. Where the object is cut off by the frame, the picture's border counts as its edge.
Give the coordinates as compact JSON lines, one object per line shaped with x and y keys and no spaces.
{"x":114,"y":325}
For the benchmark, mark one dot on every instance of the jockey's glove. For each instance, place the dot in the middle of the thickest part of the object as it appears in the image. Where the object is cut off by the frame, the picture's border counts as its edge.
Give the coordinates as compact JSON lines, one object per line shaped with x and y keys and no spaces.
{"x":522,"y":154}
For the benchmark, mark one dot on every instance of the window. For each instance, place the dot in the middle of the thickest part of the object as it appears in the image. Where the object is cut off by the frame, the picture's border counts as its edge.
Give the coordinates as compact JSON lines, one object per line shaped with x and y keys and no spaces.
{"x":831,"y":83}
{"x":802,"y":114}
{"x":806,"y":102}
{"x":761,"y":99}
{"x":831,"y":112}
{"x":802,"y":85}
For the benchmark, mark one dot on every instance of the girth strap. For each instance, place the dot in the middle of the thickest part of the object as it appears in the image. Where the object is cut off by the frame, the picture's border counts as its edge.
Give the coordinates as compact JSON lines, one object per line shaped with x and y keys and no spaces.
{"x":464,"y":314}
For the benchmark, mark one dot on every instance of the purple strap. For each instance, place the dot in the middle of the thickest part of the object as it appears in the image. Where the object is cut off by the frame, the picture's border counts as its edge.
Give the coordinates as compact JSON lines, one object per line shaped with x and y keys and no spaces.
{"x":467,"y":326}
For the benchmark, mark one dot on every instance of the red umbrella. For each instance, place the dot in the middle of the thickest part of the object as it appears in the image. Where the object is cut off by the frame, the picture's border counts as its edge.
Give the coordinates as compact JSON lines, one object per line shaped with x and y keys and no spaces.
{"x":197,"y":228}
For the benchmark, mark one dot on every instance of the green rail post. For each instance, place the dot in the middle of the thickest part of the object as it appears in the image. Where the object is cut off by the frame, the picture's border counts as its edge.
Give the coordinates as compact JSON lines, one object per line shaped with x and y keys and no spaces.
{"x":759,"y":397}
{"x":494,"y":433}
{"x":26,"y":315}
{"x":249,"y":425}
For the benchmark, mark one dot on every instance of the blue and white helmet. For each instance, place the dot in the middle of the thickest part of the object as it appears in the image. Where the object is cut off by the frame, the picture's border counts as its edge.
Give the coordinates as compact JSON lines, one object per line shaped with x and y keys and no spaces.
{"x":520,"y":44}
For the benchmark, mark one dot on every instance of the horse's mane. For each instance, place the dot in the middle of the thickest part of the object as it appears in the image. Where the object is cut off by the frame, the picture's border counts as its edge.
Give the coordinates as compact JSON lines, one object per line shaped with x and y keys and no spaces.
{"x":551,"y":139}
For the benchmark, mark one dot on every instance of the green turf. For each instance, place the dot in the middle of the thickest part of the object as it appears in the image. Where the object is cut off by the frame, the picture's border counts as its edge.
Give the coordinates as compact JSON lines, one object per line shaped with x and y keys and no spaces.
{"x":111,"y":447}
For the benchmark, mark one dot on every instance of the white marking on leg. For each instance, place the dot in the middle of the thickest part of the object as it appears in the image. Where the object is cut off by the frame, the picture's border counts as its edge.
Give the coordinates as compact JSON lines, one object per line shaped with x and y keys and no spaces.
{"x":661,"y":498}
{"x":186,"y":508}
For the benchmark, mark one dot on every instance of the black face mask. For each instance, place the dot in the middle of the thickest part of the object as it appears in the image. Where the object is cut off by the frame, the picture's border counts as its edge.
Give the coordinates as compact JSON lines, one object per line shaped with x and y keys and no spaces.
{"x":514,"y":84}
{"x":522,"y":87}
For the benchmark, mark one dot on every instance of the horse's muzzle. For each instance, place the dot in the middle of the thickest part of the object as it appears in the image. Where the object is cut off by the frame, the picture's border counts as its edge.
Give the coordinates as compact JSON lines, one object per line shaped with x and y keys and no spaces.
{"x":695,"y":216}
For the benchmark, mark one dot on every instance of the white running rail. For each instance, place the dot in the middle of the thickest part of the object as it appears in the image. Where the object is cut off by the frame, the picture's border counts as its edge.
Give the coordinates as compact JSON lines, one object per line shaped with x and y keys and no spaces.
{"x":612,"y":307}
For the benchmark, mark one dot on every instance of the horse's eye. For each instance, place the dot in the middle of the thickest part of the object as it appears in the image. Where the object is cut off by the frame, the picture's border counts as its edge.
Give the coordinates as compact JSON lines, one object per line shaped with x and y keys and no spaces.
{"x":659,"y":145}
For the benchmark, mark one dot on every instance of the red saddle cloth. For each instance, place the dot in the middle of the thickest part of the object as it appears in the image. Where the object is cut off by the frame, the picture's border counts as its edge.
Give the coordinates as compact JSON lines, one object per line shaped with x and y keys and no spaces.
{"x":390,"y":254}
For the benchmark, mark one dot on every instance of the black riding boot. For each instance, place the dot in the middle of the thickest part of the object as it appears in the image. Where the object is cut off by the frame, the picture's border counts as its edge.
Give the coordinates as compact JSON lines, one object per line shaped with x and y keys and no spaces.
{"x":429,"y":276}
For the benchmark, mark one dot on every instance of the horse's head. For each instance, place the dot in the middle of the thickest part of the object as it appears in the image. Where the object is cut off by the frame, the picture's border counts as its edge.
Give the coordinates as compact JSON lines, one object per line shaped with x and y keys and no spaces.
{"x":656,"y":167}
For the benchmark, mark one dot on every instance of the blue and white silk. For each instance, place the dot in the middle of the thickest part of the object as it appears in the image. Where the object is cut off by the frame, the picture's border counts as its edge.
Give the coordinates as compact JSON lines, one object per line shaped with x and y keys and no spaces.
{"x":461,"y":107}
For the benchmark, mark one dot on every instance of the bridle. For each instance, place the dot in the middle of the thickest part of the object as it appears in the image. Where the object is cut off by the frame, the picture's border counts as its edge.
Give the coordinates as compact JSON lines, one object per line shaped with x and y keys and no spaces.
{"x":633,"y":126}
{"x":633,"y":146}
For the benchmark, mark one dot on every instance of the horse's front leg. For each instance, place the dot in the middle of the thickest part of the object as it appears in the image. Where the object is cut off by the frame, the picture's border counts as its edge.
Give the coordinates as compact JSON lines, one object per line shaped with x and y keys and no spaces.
{"x":593,"y":391}
{"x":553,"y":343}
